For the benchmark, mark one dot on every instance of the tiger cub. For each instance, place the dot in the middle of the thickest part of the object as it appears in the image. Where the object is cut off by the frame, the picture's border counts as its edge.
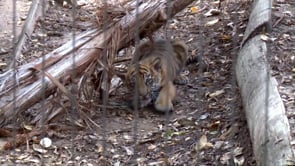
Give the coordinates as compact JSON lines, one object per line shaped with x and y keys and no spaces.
{"x":159,"y":63}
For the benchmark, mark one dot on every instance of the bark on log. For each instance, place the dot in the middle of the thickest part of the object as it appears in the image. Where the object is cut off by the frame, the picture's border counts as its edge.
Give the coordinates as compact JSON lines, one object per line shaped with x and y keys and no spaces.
{"x":265,"y":111}
{"x":89,"y":45}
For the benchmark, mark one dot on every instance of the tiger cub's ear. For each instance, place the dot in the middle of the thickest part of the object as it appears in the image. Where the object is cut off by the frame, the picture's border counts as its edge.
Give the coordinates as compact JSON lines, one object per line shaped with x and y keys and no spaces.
{"x":156,"y":64}
{"x":181,"y":50}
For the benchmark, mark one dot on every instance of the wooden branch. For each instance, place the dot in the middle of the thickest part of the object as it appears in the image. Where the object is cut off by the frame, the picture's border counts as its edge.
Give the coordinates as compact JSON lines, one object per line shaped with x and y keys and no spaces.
{"x":89,"y":45}
{"x":265,"y":111}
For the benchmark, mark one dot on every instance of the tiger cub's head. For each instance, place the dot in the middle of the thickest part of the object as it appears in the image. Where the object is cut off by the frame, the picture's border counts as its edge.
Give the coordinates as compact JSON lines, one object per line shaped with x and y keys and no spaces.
{"x":148,"y":75}
{"x":154,"y":64}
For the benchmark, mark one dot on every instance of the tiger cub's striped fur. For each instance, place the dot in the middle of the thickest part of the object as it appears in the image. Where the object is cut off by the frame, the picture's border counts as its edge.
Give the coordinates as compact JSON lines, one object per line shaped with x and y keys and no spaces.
{"x":159,"y":64}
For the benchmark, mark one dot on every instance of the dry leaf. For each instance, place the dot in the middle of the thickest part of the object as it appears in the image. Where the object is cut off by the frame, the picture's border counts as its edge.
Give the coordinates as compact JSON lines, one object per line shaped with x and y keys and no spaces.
{"x":187,"y":138}
{"x":218,"y":144}
{"x":39,"y":149}
{"x":204,"y":116}
{"x":3,"y":64}
{"x":214,"y":126}
{"x":225,"y":158}
{"x":212,"y":12}
{"x":152,"y":147}
{"x":118,"y":163}
{"x":203,"y":143}
{"x":225,"y":37}
{"x":127,"y":137}
{"x":238,"y":151}
{"x":216,"y":2}
{"x":28,"y":127}
{"x":212,"y":22}
{"x":23,"y":156}
{"x":100,"y":149}
{"x":216,"y":93}
{"x":264,"y":38}
{"x":194,"y":52}
{"x":195,"y":9}
{"x":230,"y":132}
{"x":239,"y":161}
{"x":33,"y":160}
{"x":156,"y":163}
{"x":128,"y":150}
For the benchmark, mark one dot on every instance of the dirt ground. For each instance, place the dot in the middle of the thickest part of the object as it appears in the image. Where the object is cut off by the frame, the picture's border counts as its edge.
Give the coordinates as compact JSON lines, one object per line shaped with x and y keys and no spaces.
{"x":208,"y":125}
{"x":6,"y":27}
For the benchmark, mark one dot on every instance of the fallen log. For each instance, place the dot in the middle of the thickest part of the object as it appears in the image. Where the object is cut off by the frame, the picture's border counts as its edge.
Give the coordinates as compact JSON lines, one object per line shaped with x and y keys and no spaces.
{"x":26,"y":84}
{"x":265,"y":111}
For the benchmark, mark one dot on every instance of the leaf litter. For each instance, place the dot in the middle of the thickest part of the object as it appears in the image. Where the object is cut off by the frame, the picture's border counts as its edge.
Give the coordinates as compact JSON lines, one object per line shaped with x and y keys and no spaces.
{"x":207,"y":126}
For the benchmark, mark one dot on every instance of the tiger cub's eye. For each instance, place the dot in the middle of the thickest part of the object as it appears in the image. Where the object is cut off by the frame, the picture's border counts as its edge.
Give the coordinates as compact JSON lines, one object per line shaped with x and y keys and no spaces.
{"x":148,"y":80}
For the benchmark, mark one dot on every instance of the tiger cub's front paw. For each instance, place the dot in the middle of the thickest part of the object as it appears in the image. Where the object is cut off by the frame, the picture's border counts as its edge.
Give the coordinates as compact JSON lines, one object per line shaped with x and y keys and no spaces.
{"x":163,"y":105}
